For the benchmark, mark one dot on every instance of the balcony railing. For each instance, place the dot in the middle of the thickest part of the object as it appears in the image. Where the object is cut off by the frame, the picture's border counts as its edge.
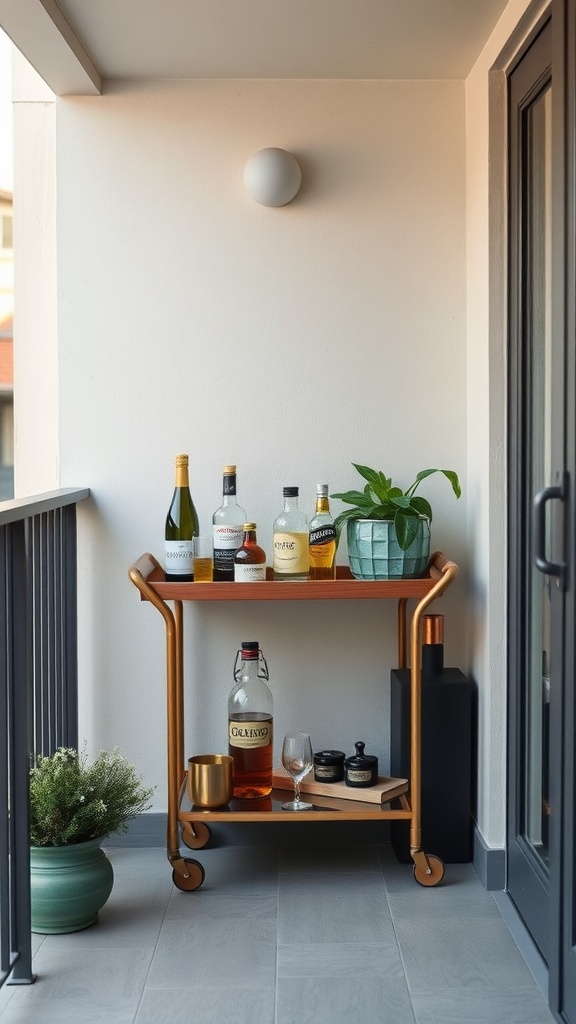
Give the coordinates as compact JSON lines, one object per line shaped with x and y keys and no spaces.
{"x":38,"y":687}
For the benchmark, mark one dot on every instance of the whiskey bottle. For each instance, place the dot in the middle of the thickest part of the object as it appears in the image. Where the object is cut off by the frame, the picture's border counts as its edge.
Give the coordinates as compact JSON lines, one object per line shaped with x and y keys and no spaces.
{"x":181,"y":527}
{"x":322,"y":538}
{"x":291,"y":554}
{"x":250,"y":559}
{"x":250,"y":724}
{"x":227,"y":523}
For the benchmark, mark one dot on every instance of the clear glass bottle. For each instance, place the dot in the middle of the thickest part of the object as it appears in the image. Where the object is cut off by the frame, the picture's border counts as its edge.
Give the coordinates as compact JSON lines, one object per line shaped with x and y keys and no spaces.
{"x":250,"y":724}
{"x":291,"y":553}
{"x":250,"y":558}
{"x":322,"y":538}
{"x":181,"y":527}
{"x":227,"y":525}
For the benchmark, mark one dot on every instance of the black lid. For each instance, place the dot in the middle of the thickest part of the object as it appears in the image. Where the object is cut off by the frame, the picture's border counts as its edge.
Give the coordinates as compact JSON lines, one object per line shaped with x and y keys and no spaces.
{"x":360,"y":759}
{"x":250,"y":645}
{"x":290,"y":492}
{"x":329,"y":757}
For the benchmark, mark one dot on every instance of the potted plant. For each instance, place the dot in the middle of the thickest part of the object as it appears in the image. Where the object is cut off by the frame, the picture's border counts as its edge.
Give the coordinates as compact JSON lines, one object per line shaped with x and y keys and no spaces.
{"x":74,"y":805}
{"x":388,"y":529}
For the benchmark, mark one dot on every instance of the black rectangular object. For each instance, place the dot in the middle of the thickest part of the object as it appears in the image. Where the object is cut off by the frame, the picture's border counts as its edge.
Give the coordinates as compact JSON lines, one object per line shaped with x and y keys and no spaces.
{"x":446,"y":763}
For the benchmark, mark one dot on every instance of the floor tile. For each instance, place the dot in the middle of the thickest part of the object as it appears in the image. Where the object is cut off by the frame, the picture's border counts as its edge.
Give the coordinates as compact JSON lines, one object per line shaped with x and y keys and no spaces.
{"x":206,"y":1006}
{"x":460,"y":953}
{"x":227,"y":941}
{"x":342,"y":1000}
{"x":454,"y":901}
{"x":347,"y":959}
{"x":95,"y":988}
{"x":507,"y":1006}
{"x":347,"y":910}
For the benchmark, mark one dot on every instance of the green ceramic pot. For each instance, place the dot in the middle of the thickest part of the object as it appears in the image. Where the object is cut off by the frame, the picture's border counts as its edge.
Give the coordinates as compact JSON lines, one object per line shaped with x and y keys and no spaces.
{"x":69,"y":885}
{"x":375,"y":554}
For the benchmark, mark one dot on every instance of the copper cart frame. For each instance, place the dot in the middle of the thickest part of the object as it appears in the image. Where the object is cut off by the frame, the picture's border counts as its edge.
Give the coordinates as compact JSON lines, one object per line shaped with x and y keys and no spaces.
{"x":148,"y":576}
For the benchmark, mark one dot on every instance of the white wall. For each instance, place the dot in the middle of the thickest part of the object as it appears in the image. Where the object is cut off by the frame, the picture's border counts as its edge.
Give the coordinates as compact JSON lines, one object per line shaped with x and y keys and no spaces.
{"x":291,"y":341}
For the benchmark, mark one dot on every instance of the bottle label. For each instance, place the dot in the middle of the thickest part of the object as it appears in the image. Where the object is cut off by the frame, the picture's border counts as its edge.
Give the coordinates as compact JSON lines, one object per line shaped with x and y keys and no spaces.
{"x":228,"y":538}
{"x":179,"y":557}
{"x":323,"y":534}
{"x":291,"y":553}
{"x":249,"y":573}
{"x":249,"y":734}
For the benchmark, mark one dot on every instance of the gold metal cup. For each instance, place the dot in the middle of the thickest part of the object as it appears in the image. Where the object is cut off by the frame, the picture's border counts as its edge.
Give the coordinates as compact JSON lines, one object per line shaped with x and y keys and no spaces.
{"x":210,"y":780}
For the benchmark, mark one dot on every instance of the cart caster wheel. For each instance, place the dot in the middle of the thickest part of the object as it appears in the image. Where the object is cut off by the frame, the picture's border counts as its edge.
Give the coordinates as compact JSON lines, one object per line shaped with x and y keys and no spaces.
{"x":435,"y":873}
{"x":194,"y":880}
{"x":195,"y":837}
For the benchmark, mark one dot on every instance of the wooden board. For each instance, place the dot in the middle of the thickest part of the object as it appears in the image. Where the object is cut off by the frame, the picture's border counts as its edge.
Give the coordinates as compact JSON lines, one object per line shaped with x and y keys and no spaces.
{"x":385,"y":789}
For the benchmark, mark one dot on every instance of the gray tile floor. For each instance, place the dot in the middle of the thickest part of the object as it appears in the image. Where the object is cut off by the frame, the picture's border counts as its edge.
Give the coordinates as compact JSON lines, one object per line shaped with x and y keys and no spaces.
{"x":288,"y":935}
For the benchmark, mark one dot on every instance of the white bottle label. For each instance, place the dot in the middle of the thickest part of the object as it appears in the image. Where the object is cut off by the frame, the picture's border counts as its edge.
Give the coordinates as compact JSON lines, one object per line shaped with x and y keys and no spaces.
{"x":179,"y":557}
{"x":228,"y":538}
{"x":291,"y":553}
{"x":249,"y":573}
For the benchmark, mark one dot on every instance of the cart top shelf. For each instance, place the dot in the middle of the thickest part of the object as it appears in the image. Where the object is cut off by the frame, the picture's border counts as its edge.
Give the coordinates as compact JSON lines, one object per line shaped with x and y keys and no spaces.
{"x":148,"y":576}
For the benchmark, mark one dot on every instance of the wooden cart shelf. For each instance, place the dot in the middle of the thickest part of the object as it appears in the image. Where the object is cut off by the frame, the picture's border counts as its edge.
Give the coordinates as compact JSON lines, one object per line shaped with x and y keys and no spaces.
{"x":168,"y":597}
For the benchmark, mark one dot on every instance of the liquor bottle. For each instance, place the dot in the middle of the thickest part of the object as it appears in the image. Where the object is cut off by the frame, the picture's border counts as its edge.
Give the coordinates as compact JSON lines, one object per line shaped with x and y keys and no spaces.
{"x":432,"y":653}
{"x":322,"y":538}
{"x":250,"y":559}
{"x":181,"y":527}
{"x":250,"y":724}
{"x":227,"y":527}
{"x":291,"y":554}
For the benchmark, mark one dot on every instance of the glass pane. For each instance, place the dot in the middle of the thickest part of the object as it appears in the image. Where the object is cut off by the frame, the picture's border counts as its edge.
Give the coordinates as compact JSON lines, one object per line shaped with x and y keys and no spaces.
{"x":538,"y":336}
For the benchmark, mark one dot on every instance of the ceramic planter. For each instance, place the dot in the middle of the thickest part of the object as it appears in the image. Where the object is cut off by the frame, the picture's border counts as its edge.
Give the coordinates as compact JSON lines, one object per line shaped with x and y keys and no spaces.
{"x":375,"y":554}
{"x":69,"y":885}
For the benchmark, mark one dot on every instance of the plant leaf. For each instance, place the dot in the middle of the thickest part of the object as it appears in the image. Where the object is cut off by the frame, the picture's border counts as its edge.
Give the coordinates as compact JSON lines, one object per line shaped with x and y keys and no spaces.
{"x":355,"y":497}
{"x":406,"y":528}
{"x":448,"y":473}
{"x":421,"y":506}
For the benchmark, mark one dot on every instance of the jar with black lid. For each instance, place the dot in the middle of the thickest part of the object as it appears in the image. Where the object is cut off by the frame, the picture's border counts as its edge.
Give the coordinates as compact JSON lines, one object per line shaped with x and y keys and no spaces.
{"x":361,"y":769}
{"x":329,"y":766}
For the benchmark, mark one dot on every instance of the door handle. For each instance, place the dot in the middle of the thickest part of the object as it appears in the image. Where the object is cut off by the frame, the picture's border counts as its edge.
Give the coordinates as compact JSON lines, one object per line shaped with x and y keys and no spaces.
{"x":541,"y":499}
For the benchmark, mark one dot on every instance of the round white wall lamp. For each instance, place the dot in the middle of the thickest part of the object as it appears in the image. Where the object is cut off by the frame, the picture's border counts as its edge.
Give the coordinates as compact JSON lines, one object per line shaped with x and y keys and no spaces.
{"x":272,"y":177}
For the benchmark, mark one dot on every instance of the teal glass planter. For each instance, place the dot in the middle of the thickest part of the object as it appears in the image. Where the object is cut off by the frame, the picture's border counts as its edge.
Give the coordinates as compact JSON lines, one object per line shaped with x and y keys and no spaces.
{"x":69,"y":885}
{"x":375,"y":554}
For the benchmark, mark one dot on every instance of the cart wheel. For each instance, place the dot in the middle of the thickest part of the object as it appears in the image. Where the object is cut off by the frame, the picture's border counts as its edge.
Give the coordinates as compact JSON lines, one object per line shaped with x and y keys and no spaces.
{"x":195,"y":836}
{"x":194,"y":880}
{"x":435,"y":873}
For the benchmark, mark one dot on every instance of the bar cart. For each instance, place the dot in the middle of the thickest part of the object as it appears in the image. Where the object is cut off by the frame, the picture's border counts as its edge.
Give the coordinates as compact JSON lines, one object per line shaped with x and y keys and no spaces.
{"x":148,"y":576}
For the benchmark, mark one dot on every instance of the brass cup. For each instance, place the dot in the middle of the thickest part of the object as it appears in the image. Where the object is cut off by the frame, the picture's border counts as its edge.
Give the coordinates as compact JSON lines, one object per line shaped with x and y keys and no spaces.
{"x":210,"y":780}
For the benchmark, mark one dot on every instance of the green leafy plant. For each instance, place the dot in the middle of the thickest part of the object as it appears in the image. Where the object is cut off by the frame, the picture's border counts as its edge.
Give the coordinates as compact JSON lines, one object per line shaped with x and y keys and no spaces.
{"x":381,"y":499}
{"x":72,"y":801}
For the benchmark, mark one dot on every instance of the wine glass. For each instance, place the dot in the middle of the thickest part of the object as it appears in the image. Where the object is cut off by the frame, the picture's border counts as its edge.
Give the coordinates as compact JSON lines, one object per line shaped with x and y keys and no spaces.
{"x":298,"y":760}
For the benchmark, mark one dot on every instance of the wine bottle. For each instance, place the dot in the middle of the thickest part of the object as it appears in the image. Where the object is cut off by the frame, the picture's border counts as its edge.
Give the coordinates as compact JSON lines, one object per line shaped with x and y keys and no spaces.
{"x":250,"y":724}
{"x":291,"y":554}
{"x":181,"y":527}
{"x":250,"y":558}
{"x":322,"y":538}
{"x":227,"y":526}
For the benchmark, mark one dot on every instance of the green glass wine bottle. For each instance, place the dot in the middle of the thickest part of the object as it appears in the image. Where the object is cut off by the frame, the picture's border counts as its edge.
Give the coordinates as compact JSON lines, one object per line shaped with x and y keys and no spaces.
{"x":181,"y":528}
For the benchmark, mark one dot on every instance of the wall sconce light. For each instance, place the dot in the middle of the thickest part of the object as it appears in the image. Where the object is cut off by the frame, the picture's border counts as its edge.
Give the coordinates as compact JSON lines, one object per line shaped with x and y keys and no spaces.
{"x":272,"y":177}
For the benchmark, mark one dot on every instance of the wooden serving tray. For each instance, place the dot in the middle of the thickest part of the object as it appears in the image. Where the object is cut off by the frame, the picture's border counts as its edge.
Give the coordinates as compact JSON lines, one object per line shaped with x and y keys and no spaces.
{"x":384,"y":790}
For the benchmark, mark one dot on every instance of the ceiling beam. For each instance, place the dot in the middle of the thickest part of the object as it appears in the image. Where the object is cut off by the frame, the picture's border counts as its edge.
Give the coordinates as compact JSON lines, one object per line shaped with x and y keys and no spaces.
{"x":41,"y":33}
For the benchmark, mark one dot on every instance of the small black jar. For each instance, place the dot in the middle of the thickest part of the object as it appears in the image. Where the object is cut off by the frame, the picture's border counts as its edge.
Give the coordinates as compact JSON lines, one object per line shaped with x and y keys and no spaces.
{"x":329,"y":766}
{"x":361,"y":770}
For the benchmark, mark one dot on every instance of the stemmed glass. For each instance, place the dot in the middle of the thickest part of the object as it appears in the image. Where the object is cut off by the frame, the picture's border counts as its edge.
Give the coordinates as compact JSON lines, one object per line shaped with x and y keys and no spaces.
{"x":298,"y":760}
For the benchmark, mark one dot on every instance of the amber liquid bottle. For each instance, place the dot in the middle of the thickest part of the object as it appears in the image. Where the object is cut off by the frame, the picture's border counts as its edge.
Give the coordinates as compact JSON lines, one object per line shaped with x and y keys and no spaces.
{"x":250,"y":724}
{"x":322,"y":538}
{"x":250,"y":559}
